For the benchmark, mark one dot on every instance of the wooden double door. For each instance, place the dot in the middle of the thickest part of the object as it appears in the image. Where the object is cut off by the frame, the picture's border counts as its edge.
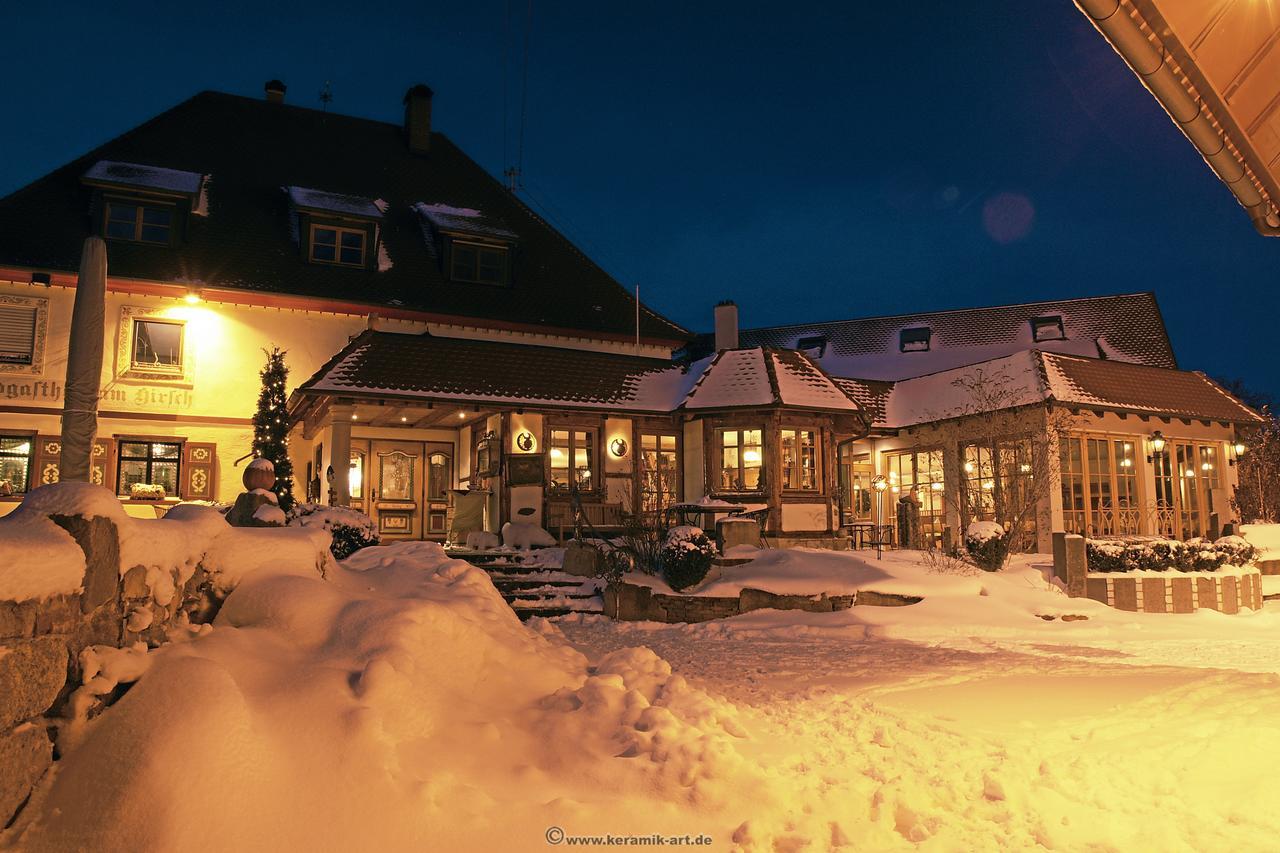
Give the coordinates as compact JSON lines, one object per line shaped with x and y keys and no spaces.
{"x":404,"y":486}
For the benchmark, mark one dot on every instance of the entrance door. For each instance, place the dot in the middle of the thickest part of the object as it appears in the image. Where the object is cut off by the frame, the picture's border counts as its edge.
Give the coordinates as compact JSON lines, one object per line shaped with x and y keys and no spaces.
{"x":855,"y":494}
{"x":395,"y":476}
{"x":439,"y":482}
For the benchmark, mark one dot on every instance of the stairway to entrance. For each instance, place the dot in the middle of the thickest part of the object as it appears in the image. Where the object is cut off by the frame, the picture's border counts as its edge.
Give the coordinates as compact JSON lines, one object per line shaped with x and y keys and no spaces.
{"x":535,"y":588}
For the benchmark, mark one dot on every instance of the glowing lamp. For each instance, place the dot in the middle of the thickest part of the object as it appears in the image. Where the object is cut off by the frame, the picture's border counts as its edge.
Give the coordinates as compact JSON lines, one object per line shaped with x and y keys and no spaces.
{"x":193,"y":297}
{"x":618,"y":447}
{"x":751,"y":456}
{"x":1157,"y":445}
{"x":879,"y":483}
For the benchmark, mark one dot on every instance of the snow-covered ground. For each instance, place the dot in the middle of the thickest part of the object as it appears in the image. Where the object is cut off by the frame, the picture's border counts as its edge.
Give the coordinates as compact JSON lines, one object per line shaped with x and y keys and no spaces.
{"x":399,"y":704}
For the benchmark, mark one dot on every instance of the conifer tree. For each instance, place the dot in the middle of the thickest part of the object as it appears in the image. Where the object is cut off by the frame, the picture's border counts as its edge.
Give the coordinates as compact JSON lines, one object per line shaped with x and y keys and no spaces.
{"x":271,"y":426}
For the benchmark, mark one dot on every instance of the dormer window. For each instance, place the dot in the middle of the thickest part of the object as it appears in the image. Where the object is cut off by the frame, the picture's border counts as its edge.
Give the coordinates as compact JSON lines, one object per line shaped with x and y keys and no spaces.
{"x":814,"y":345}
{"x":914,"y":340}
{"x":477,"y":263}
{"x":335,"y":229}
{"x":472,"y":248}
{"x":140,"y":222}
{"x":144,"y":204}
{"x":331,"y":244}
{"x":1048,"y":328}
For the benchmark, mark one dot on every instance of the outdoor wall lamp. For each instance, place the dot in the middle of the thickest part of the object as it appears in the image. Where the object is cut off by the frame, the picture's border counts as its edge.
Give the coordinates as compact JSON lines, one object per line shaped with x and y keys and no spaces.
{"x":1238,"y":449}
{"x":618,"y":447}
{"x":879,"y":482}
{"x":524,"y":441}
{"x":1157,"y":445}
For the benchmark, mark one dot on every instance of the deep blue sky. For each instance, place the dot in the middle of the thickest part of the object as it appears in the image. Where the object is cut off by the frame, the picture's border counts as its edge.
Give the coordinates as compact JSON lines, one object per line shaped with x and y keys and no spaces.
{"x":811,"y":162}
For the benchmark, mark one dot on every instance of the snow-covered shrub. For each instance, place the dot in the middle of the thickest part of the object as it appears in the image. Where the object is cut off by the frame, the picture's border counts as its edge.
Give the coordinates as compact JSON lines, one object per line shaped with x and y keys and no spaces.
{"x":1162,"y":555}
{"x":351,"y":530}
{"x":1237,"y":550}
{"x":987,"y":545}
{"x":686,"y":556}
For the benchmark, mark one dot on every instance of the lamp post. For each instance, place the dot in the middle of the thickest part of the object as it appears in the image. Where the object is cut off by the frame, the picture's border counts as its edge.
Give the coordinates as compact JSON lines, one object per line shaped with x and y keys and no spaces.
{"x":879,"y":482}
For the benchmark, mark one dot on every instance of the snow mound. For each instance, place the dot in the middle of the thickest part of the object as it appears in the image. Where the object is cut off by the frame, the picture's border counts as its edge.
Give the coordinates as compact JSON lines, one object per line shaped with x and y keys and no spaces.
{"x":526,"y":536}
{"x":397,"y":704}
{"x":37,"y":558}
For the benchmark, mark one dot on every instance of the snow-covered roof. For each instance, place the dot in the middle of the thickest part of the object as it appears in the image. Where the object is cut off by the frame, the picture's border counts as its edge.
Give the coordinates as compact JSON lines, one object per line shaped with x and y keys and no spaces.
{"x":346,"y":205}
{"x":1033,"y":376}
{"x":1122,"y":328}
{"x":466,"y":220}
{"x":756,"y":376}
{"x":476,"y":371}
{"x":138,"y":176}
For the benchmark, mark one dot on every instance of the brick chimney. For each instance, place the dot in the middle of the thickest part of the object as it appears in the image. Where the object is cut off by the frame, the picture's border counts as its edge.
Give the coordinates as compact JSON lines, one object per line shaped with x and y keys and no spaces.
{"x":275,"y":91}
{"x":417,"y":118}
{"x":726,"y":325}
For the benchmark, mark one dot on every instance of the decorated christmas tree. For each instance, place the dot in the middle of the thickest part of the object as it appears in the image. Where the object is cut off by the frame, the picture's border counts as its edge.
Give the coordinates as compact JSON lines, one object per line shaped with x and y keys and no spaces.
{"x":271,"y":426}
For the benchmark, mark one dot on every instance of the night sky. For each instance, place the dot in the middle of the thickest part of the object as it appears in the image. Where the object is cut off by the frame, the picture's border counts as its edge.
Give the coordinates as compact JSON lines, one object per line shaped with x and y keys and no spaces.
{"x":817,"y":163}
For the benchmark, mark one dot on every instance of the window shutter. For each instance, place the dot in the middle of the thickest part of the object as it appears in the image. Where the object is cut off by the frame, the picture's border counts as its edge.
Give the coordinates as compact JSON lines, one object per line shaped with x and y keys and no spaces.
{"x":199,"y":465}
{"x":103,"y":464}
{"x":48,"y":459}
{"x":17,"y":333}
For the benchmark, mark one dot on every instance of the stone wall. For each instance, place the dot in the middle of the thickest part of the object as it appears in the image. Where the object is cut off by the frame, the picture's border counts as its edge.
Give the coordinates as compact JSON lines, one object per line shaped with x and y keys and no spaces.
{"x":41,"y":641}
{"x":634,"y":603}
{"x":1167,"y":592}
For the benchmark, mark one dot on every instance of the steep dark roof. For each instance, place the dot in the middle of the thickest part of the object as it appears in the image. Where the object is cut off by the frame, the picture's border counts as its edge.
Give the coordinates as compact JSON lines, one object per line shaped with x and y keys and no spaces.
{"x":252,"y":149}
{"x":1125,"y":328}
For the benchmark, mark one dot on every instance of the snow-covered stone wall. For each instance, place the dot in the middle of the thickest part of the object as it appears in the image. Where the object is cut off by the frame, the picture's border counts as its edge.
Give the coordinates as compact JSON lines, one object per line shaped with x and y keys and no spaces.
{"x":79,"y":579}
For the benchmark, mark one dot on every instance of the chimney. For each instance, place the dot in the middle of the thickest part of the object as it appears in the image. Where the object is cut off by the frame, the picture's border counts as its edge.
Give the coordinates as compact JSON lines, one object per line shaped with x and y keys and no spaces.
{"x":417,"y":118}
{"x":726,"y":325}
{"x":275,"y":91}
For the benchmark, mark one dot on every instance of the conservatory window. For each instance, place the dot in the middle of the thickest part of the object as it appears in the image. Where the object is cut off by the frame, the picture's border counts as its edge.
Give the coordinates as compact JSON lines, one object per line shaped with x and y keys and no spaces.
{"x":741,"y":459}
{"x":799,"y":460}
{"x":572,"y":454}
{"x":659,"y":471}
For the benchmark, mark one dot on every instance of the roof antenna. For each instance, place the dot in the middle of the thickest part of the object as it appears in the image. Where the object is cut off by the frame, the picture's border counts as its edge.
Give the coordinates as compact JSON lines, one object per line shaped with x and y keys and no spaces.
{"x":326,"y":95}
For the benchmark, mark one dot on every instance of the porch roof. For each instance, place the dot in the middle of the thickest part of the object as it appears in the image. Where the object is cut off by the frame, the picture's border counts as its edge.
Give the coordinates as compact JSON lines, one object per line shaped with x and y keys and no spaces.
{"x":429,"y":367}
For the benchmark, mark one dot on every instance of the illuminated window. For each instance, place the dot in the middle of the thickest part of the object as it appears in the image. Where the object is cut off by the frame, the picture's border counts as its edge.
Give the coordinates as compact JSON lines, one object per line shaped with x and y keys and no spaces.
{"x":477,"y":263}
{"x":659,"y":472}
{"x":741,"y":459}
{"x":137,"y":222}
{"x":342,"y":246}
{"x":799,"y":460}
{"x":157,"y":345}
{"x":154,"y":463}
{"x":572,"y":453}
{"x":16,"y":452}
{"x":355,"y":479}
{"x":439,"y":476}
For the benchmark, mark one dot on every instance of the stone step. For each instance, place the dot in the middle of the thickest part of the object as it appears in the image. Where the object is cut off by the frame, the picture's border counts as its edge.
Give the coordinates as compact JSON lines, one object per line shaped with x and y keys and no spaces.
{"x":526,"y":613}
{"x":534,"y":583}
{"x":525,"y":595}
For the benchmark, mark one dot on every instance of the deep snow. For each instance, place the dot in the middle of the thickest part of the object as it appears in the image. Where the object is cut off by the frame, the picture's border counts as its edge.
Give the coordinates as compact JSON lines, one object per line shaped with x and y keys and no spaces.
{"x":399,"y":704}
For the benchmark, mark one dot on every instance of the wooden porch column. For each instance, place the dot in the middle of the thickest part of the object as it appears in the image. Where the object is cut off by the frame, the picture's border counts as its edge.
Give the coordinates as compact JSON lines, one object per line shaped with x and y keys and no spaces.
{"x":340,"y":452}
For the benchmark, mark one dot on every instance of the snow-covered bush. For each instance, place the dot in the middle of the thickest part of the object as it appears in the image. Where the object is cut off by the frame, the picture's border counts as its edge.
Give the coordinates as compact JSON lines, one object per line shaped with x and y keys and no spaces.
{"x":987,"y":545}
{"x":1162,"y":555}
{"x":351,"y":530}
{"x":1237,"y":550}
{"x":686,"y":556}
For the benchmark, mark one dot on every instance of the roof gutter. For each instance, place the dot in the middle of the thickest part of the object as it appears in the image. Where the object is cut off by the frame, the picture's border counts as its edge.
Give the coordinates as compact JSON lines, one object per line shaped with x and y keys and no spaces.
{"x":1135,"y":38}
